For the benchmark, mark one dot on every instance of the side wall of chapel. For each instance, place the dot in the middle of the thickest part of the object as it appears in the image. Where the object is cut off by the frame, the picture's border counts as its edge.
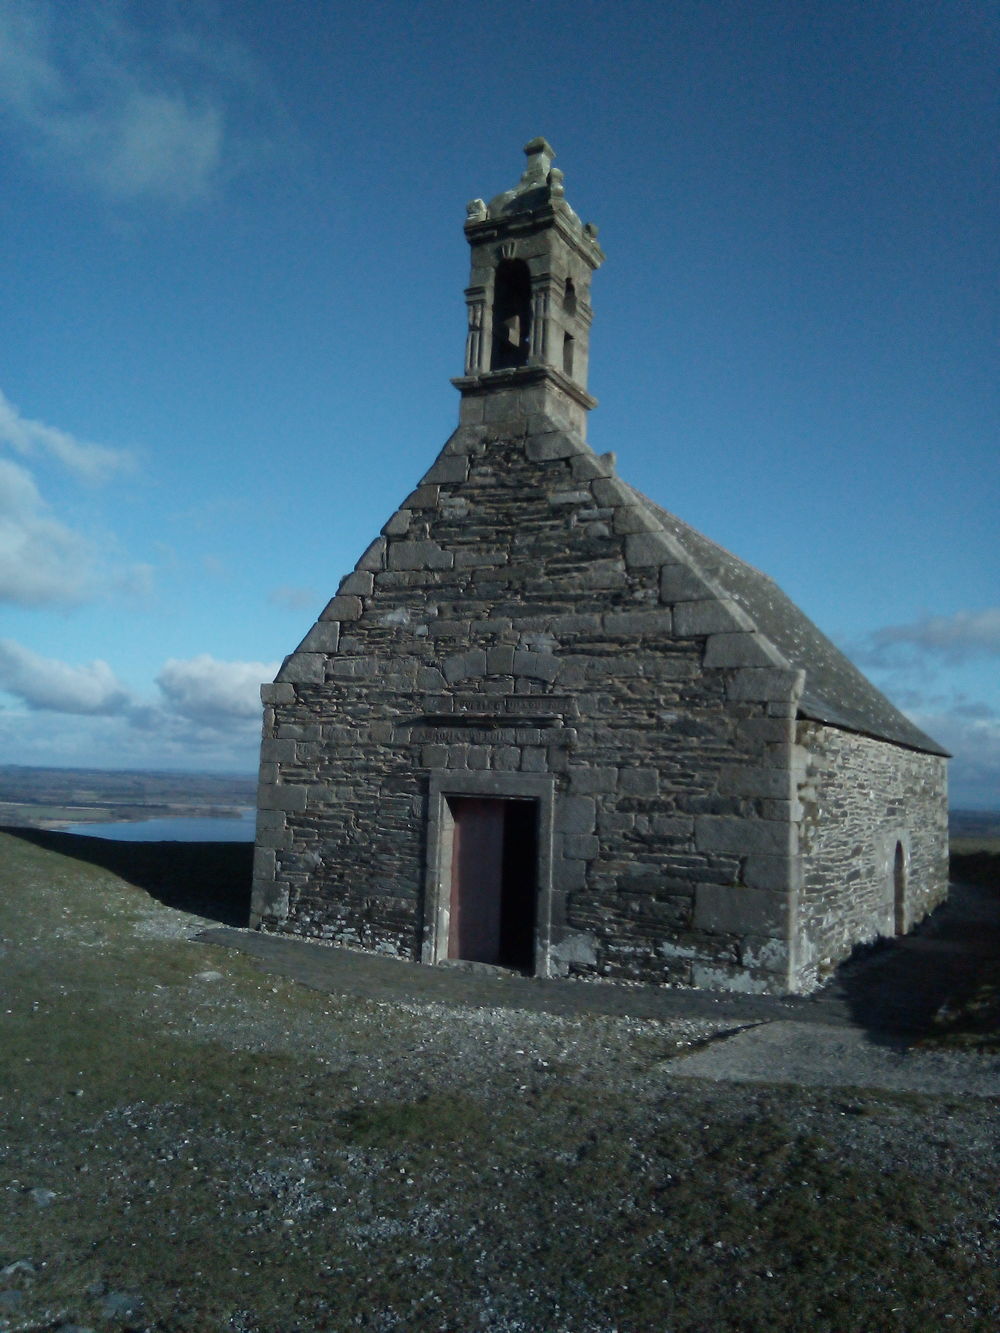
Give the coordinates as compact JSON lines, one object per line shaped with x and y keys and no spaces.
{"x":862,"y":798}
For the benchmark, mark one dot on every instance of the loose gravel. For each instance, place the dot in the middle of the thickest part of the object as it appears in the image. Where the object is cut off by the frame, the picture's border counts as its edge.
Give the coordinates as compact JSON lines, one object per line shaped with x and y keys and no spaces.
{"x":190,"y":1142}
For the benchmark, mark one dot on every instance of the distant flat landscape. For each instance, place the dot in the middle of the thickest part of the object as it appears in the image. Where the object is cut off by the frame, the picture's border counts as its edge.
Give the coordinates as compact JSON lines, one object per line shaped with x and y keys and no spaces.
{"x":974,"y":831}
{"x":57,"y":797}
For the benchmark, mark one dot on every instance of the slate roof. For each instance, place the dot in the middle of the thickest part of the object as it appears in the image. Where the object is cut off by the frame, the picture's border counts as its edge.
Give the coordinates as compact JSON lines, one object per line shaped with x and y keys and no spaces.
{"x":835,"y":692}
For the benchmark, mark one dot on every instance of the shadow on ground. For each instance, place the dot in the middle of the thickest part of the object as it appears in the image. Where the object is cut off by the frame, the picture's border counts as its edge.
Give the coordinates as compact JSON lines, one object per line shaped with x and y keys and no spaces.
{"x":904,"y":986}
{"x":211,"y":879}
{"x":893,"y":990}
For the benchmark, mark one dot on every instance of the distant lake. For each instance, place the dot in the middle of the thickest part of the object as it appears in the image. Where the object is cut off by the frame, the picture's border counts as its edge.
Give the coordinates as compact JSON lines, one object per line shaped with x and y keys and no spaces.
{"x":240,"y":829}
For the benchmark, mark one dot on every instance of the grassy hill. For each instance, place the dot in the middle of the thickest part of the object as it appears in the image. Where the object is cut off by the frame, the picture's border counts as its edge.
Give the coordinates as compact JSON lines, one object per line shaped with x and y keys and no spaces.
{"x":191,"y":1144}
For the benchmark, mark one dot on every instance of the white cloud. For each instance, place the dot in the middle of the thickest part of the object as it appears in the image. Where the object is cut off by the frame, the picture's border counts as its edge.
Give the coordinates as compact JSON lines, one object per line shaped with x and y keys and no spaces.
{"x":54,"y":686}
{"x":42,"y":561}
{"x":971,"y":733}
{"x":932,"y":640}
{"x":293,"y":599}
{"x":27,"y":437}
{"x":208,"y":714}
{"x":209,"y":691}
{"x":958,"y":637}
{"x":153,"y":143}
{"x":138,"y":110}
{"x":42,"y":738}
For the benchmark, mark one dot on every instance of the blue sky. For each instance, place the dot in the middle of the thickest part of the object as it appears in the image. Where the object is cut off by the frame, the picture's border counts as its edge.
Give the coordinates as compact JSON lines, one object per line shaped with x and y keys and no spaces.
{"x":232,"y":273}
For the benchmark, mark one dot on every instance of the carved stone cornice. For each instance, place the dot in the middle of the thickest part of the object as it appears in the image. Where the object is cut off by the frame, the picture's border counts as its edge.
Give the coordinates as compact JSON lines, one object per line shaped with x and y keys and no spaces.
{"x":471,"y":386}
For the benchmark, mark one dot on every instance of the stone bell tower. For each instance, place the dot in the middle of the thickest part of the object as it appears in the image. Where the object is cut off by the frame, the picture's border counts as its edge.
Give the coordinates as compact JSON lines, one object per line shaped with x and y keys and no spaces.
{"x":529,"y":301}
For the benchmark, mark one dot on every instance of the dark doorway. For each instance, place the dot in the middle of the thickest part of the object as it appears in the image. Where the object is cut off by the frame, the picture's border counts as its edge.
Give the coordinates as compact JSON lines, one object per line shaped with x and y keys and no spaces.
{"x":511,"y":314}
{"x":899,"y":890}
{"x":493,"y":881}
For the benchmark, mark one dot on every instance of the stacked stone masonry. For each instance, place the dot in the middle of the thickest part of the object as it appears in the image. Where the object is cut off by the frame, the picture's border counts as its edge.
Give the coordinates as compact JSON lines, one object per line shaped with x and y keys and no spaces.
{"x":859,"y":800}
{"x":506,"y":630}
{"x":709,"y":807}
{"x":515,"y":618}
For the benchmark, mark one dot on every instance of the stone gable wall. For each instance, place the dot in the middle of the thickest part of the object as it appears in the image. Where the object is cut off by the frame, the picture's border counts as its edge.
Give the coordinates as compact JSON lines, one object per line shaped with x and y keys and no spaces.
{"x":520,"y":615}
{"x":859,"y":798}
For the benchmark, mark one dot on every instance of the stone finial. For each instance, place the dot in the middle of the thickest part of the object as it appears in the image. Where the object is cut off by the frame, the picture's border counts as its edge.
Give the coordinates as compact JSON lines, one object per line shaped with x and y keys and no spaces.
{"x":475,"y":210}
{"x":540,"y":154}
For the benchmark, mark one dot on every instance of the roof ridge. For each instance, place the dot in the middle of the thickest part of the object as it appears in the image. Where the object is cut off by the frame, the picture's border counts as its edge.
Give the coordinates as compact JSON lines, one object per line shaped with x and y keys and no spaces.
{"x":837,"y":692}
{"x":659,"y":510}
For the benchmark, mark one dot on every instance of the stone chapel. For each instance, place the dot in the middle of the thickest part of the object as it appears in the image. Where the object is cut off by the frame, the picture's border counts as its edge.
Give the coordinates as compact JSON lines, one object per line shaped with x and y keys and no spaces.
{"x":546,"y":725}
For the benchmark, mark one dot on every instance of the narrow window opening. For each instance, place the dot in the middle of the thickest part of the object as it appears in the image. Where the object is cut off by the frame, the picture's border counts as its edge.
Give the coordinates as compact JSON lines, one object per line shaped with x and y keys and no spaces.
{"x":569,"y":298}
{"x":899,"y":890}
{"x":511,"y":314}
{"x":568,"y":354}
{"x":494,"y":881}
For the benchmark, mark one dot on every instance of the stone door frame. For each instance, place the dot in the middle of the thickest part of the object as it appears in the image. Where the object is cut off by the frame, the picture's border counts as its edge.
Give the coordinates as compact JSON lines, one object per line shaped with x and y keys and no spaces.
{"x":537,"y":787}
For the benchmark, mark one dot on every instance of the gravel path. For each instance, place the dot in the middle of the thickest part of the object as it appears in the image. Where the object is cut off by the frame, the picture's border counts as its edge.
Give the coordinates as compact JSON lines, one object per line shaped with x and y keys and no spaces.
{"x":860,"y":1031}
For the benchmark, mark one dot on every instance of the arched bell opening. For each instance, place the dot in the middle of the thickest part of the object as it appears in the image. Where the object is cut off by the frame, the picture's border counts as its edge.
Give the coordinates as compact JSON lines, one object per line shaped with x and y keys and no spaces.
{"x":569,"y":297}
{"x":511,"y":315}
{"x":567,"y":357}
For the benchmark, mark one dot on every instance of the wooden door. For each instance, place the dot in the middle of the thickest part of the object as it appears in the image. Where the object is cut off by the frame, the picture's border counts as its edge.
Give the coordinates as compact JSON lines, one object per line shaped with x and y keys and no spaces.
{"x":494,"y":860}
{"x":474,"y":931}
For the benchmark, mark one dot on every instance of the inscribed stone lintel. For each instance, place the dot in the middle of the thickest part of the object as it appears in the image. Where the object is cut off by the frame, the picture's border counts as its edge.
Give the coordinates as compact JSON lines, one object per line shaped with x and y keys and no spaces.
{"x":487,"y":720}
{"x":552,"y":707}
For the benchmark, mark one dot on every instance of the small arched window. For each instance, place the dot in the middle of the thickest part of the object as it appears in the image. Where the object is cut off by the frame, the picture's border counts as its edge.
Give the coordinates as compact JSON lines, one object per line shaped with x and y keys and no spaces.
{"x":569,"y":297}
{"x":511,"y":314}
{"x":568,"y":353}
{"x":899,"y":890}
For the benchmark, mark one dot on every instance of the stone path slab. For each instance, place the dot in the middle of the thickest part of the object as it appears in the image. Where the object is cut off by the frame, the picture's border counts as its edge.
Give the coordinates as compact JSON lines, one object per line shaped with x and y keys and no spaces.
{"x":818,"y":1055}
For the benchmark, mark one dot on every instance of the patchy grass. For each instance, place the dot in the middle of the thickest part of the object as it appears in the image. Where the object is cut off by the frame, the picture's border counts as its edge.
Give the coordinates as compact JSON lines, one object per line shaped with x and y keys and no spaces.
{"x":189,"y":1144}
{"x":970,"y":1020}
